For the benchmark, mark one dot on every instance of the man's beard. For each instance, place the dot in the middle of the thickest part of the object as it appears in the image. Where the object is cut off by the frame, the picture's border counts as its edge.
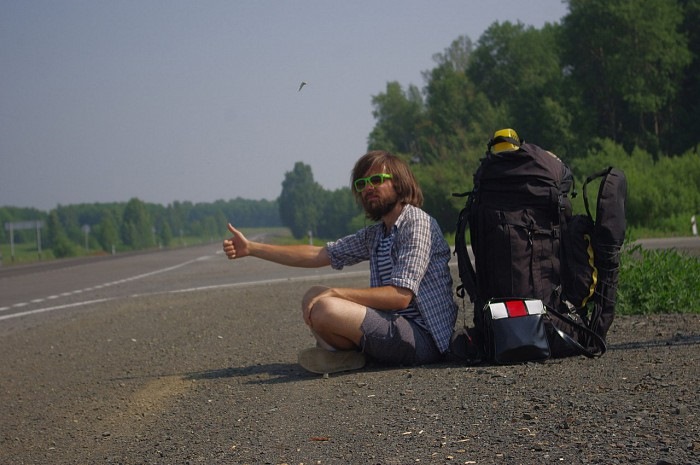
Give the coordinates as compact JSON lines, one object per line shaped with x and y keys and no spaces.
{"x":378,"y":207}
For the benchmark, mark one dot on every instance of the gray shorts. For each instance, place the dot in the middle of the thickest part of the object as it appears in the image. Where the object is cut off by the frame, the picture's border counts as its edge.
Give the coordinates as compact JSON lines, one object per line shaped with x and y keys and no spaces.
{"x":396,"y":340}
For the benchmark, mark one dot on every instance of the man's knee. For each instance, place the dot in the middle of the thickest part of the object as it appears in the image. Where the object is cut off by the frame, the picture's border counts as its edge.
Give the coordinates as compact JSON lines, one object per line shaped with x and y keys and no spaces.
{"x":323,"y":312}
{"x":314,"y":291}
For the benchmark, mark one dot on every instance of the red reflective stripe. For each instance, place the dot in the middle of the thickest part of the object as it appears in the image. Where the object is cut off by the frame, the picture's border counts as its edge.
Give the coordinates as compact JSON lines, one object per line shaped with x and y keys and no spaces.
{"x":516,"y":308}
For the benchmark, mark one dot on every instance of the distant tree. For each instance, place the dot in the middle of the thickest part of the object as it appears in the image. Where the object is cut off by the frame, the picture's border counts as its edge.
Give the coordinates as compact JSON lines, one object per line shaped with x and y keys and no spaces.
{"x":165,"y":234}
{"x":337,"y":211}
{"x":626,"y":57}
{"x":212,"y":228}
{"x":69,"y":217}
{"x":457,"y":55}
{"x":518,"y":69}
{"x":439,"y":182}
{"x":136,"y":227}
{"x":178,"y":217}
{"x":398,"y":114}
{"x":449,"y":94}
{"x":686,"y":118}
{"x":57,"y":239}
{"x":107,"y":231}
{"x":220,"y":222}
{"x":299,"y":202}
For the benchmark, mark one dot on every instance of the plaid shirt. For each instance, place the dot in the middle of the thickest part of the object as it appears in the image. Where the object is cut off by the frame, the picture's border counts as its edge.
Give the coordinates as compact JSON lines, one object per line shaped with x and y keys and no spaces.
{"x":420,"y":256}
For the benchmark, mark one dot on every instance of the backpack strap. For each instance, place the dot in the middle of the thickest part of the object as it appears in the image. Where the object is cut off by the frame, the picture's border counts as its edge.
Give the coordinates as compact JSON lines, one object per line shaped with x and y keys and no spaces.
{"x":467,"y":275}
{"x":599,"y":174}
{"x":598,"y":341}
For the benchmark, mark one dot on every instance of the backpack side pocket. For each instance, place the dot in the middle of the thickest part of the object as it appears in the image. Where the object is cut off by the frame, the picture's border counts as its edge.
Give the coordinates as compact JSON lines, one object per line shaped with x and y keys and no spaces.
{"x":579,"y":273}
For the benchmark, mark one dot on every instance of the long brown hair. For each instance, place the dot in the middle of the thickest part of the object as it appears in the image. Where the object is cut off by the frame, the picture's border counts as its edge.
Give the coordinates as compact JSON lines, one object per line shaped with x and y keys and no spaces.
{"x":405,"y":184}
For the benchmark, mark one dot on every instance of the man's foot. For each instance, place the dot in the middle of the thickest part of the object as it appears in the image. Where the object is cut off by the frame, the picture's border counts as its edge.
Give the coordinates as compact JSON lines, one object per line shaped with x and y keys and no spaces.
{"x":322,"y":361}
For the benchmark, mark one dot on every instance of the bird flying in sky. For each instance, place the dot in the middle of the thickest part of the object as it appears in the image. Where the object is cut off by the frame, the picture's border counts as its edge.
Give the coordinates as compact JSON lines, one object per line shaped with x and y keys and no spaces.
{"x":303,"y":83}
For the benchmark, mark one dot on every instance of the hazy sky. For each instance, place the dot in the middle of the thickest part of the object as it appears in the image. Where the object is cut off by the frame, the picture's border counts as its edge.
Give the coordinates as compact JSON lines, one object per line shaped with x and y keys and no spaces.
{"x":105,"y":100}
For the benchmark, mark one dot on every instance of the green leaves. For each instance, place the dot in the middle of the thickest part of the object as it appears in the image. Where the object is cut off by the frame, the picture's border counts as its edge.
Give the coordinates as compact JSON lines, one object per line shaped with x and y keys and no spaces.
{"x":299,"y":202}
{"x":628,"y":58}
{"x":305,"y":206}
{"x":398,"y":113}
{"x":136,"y":226}
{"x":657,"y":281}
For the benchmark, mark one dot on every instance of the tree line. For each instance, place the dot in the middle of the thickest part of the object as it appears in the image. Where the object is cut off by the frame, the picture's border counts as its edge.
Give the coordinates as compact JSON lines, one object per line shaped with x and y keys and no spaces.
{"x":135,"y":224}
{"x":616,"y":82}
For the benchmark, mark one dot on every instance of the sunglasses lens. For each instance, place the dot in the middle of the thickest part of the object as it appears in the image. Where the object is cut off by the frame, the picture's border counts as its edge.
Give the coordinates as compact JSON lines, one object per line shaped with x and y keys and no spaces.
{"x":376,"y":180}
{"x":360,"y":184}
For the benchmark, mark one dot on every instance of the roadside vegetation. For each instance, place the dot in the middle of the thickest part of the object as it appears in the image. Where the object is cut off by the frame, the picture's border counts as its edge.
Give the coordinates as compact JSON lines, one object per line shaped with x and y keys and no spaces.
{"x":657,"y":281}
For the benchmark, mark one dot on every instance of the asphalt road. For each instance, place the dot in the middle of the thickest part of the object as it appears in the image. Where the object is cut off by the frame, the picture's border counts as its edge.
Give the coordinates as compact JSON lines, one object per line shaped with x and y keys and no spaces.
{"x":689,"y":245}
{"x":59,"y":286}
{"x":184,"y":357}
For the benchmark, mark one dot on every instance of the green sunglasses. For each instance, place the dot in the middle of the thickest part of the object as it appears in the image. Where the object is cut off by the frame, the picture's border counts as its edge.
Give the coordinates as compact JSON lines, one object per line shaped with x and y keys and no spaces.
{"x":375,"y":180}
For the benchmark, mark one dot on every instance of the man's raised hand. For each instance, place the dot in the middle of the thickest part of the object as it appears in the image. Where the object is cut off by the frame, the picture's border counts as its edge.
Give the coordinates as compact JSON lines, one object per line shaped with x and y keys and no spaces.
{"x":237,"y":245}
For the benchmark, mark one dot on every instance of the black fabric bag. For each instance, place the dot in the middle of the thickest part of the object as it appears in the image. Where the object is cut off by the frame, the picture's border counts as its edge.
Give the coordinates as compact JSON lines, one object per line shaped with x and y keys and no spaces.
{"x":515,"y":331}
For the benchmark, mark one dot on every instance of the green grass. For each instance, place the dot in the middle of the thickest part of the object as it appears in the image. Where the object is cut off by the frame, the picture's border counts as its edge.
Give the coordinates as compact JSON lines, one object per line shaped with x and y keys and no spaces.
{"x":657,"y":281}
{"x":24,"y":253}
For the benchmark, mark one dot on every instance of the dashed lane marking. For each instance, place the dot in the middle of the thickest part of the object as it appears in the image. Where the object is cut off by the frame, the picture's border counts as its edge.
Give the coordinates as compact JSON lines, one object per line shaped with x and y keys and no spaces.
{"x":89,"y":289}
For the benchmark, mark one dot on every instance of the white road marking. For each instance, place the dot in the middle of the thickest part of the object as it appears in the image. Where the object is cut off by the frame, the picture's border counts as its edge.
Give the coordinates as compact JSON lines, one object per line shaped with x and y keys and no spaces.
{"x":191,"y":289}
{"x":88,"y":289}
{"x":49,"y":309}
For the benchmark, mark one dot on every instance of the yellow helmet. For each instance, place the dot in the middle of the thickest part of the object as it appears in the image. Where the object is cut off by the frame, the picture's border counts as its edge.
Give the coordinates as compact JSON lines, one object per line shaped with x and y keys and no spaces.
{"x":504,"y":140}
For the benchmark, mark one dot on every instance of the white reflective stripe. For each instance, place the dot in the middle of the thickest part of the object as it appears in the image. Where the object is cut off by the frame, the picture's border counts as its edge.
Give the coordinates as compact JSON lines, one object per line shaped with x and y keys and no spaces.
{"x":498,"y":310}
{"x":534,"y":307}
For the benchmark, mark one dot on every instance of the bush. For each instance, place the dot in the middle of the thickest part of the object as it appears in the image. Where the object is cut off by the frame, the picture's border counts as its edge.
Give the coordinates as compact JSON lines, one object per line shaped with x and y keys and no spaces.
{"x":657,"y":281}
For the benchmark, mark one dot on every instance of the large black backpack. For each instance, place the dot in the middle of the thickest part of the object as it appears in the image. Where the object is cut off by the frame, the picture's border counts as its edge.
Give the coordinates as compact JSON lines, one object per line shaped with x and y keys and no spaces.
{"x":518,"y":216}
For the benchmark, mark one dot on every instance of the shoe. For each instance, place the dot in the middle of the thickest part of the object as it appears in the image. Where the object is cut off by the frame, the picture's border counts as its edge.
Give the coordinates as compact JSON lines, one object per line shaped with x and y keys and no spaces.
{"x":322,"y":361}
{"x":466,"y":348}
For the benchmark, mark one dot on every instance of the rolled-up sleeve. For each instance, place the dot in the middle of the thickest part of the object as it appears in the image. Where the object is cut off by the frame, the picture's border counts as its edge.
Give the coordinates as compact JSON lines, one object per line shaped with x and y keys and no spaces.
{"x":350,"y":250}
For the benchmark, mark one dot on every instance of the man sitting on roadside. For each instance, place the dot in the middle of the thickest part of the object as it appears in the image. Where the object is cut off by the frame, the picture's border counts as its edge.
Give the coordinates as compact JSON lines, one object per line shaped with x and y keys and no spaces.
{"x":407,"y":315}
